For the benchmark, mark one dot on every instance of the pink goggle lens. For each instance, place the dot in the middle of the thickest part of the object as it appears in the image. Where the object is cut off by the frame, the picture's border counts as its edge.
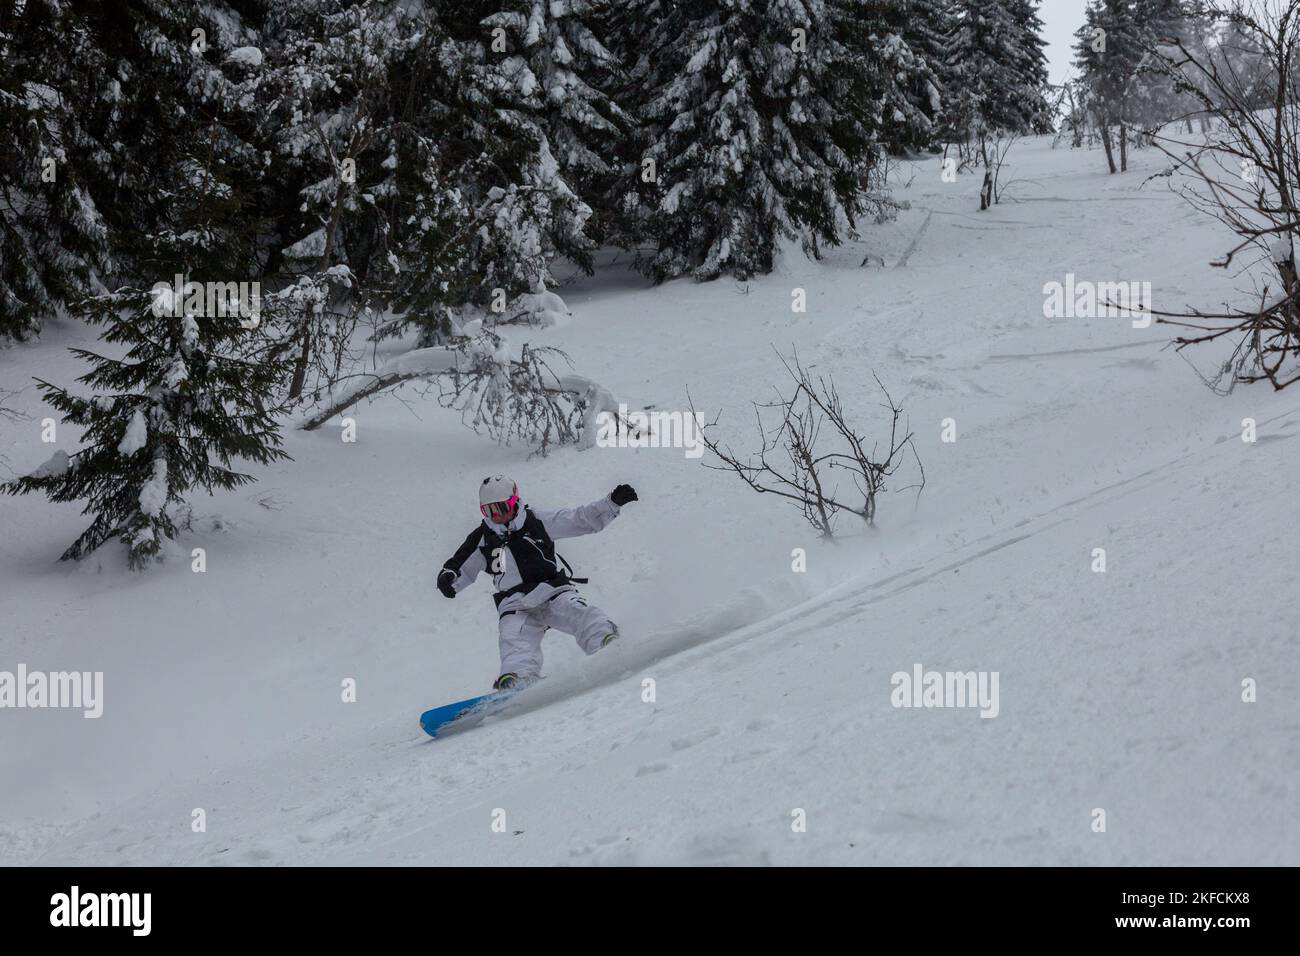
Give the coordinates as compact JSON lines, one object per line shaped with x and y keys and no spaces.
{"x":499,"y":509}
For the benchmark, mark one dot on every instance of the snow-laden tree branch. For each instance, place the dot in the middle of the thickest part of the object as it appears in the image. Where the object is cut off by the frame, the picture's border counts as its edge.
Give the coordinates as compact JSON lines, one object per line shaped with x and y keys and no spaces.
{"x":496,"y":393}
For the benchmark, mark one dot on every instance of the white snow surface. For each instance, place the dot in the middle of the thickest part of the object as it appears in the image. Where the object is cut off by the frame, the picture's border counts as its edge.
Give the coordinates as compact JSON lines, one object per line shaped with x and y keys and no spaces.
{"x":1119,"y":690}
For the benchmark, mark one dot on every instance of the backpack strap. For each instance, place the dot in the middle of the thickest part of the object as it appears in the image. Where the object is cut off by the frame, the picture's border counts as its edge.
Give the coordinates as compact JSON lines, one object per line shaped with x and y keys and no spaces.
{"x":568,"y":570}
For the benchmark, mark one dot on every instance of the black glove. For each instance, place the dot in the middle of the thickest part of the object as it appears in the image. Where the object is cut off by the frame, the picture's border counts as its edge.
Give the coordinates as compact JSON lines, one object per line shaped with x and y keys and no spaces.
{"x":623,"y":494}
{"x":445,"y":577}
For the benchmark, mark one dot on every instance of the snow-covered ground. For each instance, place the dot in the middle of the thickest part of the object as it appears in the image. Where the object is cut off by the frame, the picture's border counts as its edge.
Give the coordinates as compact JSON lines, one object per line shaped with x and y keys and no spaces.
{"x":1120,"y":691}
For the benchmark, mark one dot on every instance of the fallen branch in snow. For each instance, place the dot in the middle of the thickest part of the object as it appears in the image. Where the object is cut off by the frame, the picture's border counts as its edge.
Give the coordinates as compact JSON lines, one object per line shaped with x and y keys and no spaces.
{"x":416,"y":364}
{"x":496,"y":393}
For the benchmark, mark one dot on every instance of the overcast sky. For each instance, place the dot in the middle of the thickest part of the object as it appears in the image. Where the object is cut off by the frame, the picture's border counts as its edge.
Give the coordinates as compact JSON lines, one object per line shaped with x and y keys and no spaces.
{"x":1060,"y":19}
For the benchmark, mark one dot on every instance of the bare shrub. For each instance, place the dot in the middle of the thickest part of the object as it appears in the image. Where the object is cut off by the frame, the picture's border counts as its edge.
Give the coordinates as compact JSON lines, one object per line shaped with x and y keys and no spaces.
{"x":807,"y":443}
{"x":1245,"y":172}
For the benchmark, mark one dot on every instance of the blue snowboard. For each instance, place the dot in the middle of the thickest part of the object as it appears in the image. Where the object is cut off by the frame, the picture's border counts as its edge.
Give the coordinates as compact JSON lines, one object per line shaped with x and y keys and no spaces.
{"x":463,"y":713}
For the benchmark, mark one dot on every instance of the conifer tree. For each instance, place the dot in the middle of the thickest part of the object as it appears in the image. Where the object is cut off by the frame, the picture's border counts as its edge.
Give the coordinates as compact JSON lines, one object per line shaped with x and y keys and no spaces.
{"x":903,"y":44}
{"x":998,"y":71}
{"x":1108,"y":53}
{"x":105,"y":91}
{"x":490,"y":208}
{"x":758,"y":120}
{"x":52,"y":235}
{"x":178,"y":400}
{"x":557,"y":48}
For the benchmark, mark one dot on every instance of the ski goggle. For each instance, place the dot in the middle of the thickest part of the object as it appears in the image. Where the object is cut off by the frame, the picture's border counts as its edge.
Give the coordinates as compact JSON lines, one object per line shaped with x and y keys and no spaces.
{"x":499,"y":510}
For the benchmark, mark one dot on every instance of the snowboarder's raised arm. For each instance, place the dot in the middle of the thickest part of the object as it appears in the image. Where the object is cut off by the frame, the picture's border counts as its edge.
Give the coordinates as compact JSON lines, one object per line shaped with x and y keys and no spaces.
{"x":586,"y":519}
{"x":462,"y":567}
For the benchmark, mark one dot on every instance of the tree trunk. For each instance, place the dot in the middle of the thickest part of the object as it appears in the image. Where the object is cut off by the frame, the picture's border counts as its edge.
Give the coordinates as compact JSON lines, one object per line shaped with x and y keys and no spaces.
{"x":355,"y":142}
{"x":1105,"y":141}
{"x":1123,"y":149}
{"x":1291,"y":285}
{"x":986,"y":190}
{"x":300,"y":366}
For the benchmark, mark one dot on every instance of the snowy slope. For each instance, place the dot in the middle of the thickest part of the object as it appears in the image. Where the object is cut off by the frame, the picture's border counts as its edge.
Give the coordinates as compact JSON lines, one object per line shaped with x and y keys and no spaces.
{"x":1119,"y":691}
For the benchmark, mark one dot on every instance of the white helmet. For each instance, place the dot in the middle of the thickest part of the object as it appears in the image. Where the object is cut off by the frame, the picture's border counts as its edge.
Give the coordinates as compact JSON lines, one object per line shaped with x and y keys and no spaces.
{"x":498,"y":498}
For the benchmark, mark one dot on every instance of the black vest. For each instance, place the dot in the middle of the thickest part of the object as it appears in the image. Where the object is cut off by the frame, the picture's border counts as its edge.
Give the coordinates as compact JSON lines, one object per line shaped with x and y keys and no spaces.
{"x":531,"y":553}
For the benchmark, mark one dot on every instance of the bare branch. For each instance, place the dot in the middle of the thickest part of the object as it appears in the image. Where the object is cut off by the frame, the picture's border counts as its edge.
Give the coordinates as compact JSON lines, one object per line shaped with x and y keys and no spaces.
{"x":793,"y":425}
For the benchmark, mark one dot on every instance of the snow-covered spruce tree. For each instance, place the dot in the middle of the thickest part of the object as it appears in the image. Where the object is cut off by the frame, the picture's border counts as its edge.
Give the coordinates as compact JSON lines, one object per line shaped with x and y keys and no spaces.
{"x":435,"y":234}
{"x":440,"y":154}
{"x":1109,"y":50}
{"x":1156,"y":101}
{"x":930,"y":29}
{"x":1114,"y":52}
{"x":998,"y":71}
{"x":756,"y":120}
{"x":175,"y":402}
{"x":903,"y":43}
{"x":1239,"y":53}
{"x":140,"y":79}
{"x":104,"y":90}
{"x":1030,"y":57}
{"x":52,"y":236}
{"x":326,"y":86}
{"x":1196,"y":32}
{"x":492,"y":207}
{"x":534,"y":210}
{"x":631,"y":195}
{"x":560,"y":43}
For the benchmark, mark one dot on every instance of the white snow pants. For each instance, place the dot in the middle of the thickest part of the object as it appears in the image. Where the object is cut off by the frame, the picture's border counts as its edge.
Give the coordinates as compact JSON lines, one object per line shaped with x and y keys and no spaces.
{"x":522,"y":631}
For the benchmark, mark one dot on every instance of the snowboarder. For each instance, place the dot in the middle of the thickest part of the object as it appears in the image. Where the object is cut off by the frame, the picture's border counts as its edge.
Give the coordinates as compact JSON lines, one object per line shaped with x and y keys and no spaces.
{"x":533,"y":593}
